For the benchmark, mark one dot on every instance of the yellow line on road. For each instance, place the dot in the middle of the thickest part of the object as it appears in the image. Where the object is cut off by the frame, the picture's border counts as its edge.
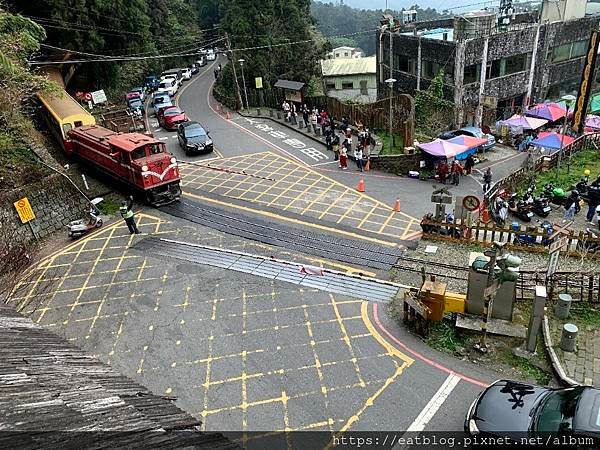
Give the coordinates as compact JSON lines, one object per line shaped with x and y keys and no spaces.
{"x":291,"y":220}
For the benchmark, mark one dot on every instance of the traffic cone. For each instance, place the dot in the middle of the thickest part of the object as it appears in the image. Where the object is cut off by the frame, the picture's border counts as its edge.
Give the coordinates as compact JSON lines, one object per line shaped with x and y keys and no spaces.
{"x":368,"y":165}
{"x":397,"y":205}
{"x":361,"y":185}
{"x":485,"y":214}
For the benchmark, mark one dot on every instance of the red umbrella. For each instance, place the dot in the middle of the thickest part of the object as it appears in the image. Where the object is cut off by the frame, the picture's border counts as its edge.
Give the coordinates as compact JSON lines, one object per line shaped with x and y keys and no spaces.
{"x":548,"y":111}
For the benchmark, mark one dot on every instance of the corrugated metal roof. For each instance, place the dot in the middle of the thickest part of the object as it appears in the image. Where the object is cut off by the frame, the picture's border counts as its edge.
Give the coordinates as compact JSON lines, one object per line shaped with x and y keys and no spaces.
{"x":292,"y":85}
{"x":339,"y":67}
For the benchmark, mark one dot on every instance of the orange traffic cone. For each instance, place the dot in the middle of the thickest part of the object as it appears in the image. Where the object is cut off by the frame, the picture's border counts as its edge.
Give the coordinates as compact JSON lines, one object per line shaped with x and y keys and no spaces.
{"x":368,"y":165}
{"x":397,"y":205}
{"x":485,"y":214}
{"x":361,"y":185}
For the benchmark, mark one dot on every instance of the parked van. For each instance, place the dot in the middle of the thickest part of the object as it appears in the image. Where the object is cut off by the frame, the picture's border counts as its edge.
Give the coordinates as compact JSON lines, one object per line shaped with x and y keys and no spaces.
{"x":168,"y":86}
{"x":174,"y":73}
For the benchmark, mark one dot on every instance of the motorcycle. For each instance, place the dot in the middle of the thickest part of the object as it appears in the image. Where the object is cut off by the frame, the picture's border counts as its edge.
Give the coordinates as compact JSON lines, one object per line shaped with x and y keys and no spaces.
{"x":555,"y":195}
{"x":519,"y":208}
{"x":78,"y":228}
{"x":499,"y":211}
{"x":539,"y":205}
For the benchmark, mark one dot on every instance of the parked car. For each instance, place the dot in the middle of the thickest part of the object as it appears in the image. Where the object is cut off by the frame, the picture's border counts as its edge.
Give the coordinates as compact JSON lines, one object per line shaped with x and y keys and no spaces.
{"x":136,"y":104}
{"x":514,"y":409}
{"x":131,"y":95}
{"x":194,"y":68}
{"x":151,"y":82}
{"x":193,"y":138}
{"x":173,"y":73}
{"x":473,"y":132}
{"x":186,"y":74}
{"x":141,"y":91}
{"x":211,"y":55}
{"x":160,"y":102}
{"x":168,"y":86}
{"x":170,"y":117}
{"x":201,"y":61}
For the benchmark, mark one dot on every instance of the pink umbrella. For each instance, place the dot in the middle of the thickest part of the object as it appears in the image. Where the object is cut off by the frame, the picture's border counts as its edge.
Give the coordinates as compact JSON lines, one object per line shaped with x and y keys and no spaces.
{"x":439,"y":147}
{"x":528,"y":123}
{"x":548,"y":111}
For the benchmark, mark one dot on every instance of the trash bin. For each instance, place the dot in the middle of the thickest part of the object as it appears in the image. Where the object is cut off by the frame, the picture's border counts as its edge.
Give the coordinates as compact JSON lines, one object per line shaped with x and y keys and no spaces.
{"x":563,"y":305}
{"x":569,"y":337}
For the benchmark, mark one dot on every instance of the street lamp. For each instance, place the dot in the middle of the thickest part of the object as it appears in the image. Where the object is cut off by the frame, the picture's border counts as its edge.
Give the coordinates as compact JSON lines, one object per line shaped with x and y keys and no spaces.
{"x":390,"y":82}
{"x":242,"y":61}
{"x":568,"y":99}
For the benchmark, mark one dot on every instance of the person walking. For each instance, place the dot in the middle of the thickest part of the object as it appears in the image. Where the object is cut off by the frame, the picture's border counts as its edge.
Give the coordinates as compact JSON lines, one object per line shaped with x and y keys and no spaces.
{"x":128,"y":215}
{"x":487,"y":179}
{"x":442,"y":171}
{"x":358,"y":157}
{"x":328,"y":140}
{"x":457,"y":171}
{"x":344,"y":155}
{"x":469,"y":164}
{"x":570,"y":205}
{"x":593,"y":202}
{"x":335,"y":146}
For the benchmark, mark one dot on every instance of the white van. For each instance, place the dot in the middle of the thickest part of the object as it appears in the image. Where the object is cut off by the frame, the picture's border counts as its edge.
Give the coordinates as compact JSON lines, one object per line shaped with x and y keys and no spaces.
{"x":210,"y":55}
{"x":168,"y":86}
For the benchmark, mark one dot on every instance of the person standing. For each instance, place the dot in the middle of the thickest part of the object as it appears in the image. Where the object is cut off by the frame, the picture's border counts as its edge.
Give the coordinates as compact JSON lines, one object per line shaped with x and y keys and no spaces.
{"x":487,"y":179}
{"x":358,"y":157}
{"x":344,"y":156}
{"x":457,"y":171}
{"x":570,"y":205}
{"x":286,"y":108}
{"x":442,"y":171}
{"x":593,"y":202}
{"x":335,"y":145}
{"x":305,"y":114}
{"x":328,"y":140}
{"x":128,"y":215}
{"x":469,"y":164}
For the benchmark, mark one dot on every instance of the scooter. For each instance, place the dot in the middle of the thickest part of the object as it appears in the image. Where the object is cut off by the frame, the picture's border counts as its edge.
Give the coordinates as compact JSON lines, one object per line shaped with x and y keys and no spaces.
{"x":519,"y":208}
{"x":499,"y":211}
{"x":555,"y":195}
{"x":78,"y":228}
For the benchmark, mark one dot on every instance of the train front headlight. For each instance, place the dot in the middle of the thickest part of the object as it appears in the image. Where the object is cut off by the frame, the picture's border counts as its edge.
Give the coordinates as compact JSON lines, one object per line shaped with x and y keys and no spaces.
{"x":173,"y":160}
{"x":144,"y":168}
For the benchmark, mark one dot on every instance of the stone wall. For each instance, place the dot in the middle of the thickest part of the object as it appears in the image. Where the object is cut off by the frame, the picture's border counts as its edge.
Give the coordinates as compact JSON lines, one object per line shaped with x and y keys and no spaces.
{"x":55,"y":202}
{"x":397,"y":164}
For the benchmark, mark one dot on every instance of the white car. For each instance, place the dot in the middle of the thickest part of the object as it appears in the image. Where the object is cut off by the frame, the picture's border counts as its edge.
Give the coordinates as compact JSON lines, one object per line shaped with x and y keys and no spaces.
{"x":168,"y":86}
{"x":211,"y":56}
{"x":186,"y":73}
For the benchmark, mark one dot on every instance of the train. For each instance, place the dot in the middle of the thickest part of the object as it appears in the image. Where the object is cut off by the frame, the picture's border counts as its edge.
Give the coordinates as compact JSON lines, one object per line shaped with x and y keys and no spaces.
{"x":138,"y":161}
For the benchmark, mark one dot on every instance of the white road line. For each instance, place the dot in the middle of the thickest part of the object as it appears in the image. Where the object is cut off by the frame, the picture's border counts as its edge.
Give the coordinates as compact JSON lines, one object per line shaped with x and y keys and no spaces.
{"x":323,"y":163}
{"x":434,"y":404}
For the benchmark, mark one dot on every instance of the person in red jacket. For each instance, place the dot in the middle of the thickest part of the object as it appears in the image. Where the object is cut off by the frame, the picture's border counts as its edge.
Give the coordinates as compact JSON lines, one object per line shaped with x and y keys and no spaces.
{"x":457,"y":171}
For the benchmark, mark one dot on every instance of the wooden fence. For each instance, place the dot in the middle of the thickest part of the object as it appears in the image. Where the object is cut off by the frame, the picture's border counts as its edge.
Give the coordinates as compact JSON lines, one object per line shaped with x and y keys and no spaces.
{"x":528,"y":238}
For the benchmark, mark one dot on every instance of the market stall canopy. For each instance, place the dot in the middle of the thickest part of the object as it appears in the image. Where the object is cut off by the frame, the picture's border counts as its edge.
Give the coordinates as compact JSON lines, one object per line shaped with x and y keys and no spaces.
{"x":551,"y":140}
{"x":442,"y":148}
{"x":528,"y":123}
{"x":592,"y":121}
{"x":595,"y":103}
{"x":548,"y":111}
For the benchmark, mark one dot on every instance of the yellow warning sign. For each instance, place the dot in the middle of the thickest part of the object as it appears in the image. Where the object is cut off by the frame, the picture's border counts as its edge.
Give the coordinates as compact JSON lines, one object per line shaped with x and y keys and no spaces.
{"x":258,"y":82}
{"x":24,"y":209}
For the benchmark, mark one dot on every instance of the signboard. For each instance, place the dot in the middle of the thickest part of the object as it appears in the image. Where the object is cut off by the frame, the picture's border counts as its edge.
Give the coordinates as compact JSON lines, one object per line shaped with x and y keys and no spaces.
{"x":558,"y":244}
{"x":553,"y":263}
{"x":99,"y":97}
{"x":258,"y":82}
{"x":587,"y":80}
{"x":24,"y":210}
{"x":471,"y":203}
{"x":488,"y":101}
{"x":294,"y":96}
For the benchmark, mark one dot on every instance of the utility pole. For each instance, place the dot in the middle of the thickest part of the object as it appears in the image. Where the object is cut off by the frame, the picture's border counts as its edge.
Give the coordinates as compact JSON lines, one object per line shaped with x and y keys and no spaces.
{"x":232,"y":59}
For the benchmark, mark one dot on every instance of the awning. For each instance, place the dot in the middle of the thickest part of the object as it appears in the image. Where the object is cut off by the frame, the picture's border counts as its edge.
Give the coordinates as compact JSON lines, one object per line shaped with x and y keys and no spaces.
{"x":471,"y":143}
{"x":291,"y":85}
{"x":527,"y":123}
{"x":551,"y":140}
{"x":593,"y":122}
{"x":548,"y":111}
{"x":442,"y":148}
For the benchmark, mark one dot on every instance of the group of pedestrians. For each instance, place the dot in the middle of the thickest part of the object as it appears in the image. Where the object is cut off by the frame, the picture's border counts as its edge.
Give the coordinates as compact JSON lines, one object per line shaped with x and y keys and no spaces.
{"x":452,"y":173}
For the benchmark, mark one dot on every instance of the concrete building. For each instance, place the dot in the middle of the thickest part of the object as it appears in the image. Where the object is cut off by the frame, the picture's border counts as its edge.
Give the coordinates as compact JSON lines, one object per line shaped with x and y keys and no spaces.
{"x":504,"y":68}
{"x":350,"y":79}
{"x":345,"y":53}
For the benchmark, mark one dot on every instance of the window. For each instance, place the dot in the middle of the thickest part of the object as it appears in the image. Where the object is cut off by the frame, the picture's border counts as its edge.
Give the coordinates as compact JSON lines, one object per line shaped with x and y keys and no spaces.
{"x":330,"y":86}
{"x":568,"y":51}
{"x":472,"y":74}
{"x":337,"y":55}
{"x":155,"y":149}
{"x":430,"y":69}
{"x":138,"y":153}
{"x":403,"y":63}
{"x":66,"y":128}
{"x":506,"y":66}
{"x":347,"y":85}
{"x":345,"y":53}
{"x":363,"y":87}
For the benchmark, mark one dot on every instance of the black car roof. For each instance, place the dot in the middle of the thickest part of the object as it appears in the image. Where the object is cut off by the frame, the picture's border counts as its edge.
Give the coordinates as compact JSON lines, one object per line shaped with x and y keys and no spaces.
{"x":587,"y":416}
{"x":191,"y":123}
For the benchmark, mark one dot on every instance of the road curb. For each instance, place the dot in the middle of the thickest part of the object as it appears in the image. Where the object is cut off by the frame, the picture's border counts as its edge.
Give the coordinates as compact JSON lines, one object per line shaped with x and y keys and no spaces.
{"x":556,"y":364}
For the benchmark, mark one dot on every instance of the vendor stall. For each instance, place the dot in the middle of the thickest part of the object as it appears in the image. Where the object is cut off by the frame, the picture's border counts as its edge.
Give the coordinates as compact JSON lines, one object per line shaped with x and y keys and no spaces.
{"x":551,"y":141}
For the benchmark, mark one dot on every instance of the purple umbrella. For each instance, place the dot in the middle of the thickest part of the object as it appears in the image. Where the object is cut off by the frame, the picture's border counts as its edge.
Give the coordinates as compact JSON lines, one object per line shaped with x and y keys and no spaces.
{"x":549,"y":111}
{"x":528,"y":123}
{"x":439,"y":147}
{"x":592,"y":121}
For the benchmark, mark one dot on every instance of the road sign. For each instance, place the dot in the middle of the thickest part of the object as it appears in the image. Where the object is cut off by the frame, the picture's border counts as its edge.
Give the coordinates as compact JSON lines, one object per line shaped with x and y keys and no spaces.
{"x":558,"y":244}
{"x":553,"y":263}
{"x":561,"y":230}
{"x":471,"y":203}
{"x":24,"y":210}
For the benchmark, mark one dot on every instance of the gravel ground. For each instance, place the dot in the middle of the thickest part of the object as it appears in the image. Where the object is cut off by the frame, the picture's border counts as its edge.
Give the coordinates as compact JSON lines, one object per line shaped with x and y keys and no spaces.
{"x":458,"y":255}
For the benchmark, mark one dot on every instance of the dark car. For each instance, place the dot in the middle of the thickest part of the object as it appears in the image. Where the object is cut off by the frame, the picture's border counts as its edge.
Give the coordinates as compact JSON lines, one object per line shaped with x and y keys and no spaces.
{"x":151,"y":82}
{"x":170,"y":117}
{"x":195,"y":68}
{"x":193,"y":138}
{"x":135,"y":104}
{"x":518,"y":410}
